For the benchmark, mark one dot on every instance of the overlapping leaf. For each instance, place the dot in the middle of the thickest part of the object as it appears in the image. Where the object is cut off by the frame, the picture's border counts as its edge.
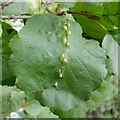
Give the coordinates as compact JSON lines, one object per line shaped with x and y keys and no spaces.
{"x":111,"y":13}
{"x":34,"y":109}
{"x":11,"y":99}
{"x":8,"y":33}
{"x":13,"y":105}
{"x":111,"y":49}
{"x":97,"y":18}
{"x":18,"y":7}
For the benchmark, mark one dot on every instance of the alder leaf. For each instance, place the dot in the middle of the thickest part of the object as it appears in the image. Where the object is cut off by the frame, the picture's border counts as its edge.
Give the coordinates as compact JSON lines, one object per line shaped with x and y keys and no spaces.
{"x":59,"y":76}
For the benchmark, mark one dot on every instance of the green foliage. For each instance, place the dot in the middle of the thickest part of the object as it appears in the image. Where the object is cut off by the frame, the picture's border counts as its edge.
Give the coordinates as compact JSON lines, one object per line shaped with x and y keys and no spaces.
{"x":97,"y":18}
{"x":11,"y":100}
{"x":0,"y":54}
{"x":34,"y":109}
{"x":111,"y":49}
{"x":96,"y":99}
{"x":65,"y":58}
{"x":7,"y":34}
{"x":39,"y":66}
{"x":18,"y":7}
{"x":77,"y":112}
{"x":108,"y":106}
{"x":67,"y":5}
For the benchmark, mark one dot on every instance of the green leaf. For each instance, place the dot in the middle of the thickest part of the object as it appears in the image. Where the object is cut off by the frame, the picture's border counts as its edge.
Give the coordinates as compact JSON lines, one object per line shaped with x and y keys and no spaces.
{"x":18,"y":7}
{"x":116,"y":35}
{"x":110,"y":8}
{"x":111,"y":13}
{"x":61,"y":84}
{"x":8,"y":33}
{"x":36,"y":110}
{"x":93,"y":20}
{"x":104,"y":101}
{"x":111,"y":49}
{"x":11,"y":99}
{"x":97,"y":98}
{"x":32,"y":109}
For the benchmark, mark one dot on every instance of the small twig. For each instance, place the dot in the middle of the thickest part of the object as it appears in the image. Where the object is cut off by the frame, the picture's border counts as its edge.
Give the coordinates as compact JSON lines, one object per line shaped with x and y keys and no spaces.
{"x":45,"y":5}
{"x":80,"y":13}
{"x":58,"y":9}
{"x":14,"y":17}
{"x":59,"y":14}
{"x":4,"y":4}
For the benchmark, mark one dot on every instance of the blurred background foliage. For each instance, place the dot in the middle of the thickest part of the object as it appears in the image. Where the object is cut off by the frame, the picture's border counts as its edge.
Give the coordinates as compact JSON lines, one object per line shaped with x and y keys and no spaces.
{"x":96,"y":19}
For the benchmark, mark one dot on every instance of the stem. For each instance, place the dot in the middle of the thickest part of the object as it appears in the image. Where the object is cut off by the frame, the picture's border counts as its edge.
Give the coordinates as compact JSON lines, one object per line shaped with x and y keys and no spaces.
{"x":59,"y":14}
{"x":14,"y":17}
{"x":4,"y":4}
{"x":80,"y":13}
{"x":45,"y":5}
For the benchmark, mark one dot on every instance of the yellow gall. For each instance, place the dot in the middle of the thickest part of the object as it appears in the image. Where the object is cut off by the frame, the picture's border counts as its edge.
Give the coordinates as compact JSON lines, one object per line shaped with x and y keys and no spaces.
{"x":60,"y":70}
{"x":60,"y":75}
{"x":65,"y":41}
{"x":65,"y":61}
{"x":67,"y":44}
{"x":69,"y":32}
{"x":56,"y":84}
{"x":62,"y":57}
{"x":68,"y":24}
{"x":65,"y":27}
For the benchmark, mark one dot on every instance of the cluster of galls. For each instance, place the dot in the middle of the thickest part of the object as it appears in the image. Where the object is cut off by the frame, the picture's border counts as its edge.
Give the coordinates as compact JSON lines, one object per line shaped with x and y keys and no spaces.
{"x":66,"y":43}
{"x":66,"y":27}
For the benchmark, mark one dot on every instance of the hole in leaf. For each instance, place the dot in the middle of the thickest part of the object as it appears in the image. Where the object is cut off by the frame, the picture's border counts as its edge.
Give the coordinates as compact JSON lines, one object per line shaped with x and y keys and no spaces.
{"x":9,"y":31}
